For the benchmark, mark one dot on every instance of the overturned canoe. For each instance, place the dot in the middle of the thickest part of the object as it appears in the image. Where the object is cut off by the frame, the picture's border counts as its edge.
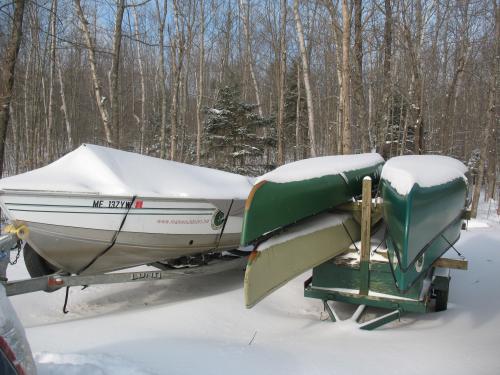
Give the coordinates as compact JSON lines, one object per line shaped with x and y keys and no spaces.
{"x":305,"y":188}
{"x":424,"y":201}
{"x":298,"y":249}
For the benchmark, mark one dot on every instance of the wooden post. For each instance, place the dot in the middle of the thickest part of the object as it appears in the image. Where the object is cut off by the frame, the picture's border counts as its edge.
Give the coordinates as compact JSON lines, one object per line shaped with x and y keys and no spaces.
{"x":364,"y":264}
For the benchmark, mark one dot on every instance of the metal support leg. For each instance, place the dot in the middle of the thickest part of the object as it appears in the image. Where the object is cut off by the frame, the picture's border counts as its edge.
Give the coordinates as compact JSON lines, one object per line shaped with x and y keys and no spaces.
{"x":329,"y":310}
{"x":380,"y":321}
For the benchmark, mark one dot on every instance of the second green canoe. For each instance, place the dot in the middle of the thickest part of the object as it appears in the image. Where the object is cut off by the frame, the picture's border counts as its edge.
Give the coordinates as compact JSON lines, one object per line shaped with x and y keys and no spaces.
{"x":424,"y":201}
{"x":305,"y":188}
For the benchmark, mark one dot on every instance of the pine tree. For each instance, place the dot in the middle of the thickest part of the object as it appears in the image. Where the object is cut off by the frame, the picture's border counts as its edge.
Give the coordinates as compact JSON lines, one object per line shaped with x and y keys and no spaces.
{"x":233,"y":128}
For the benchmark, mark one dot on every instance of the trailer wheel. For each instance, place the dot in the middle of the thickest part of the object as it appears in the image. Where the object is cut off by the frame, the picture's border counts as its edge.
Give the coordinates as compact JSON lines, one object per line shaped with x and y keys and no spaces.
{"x":441,"y":300}
{"x":35,"y":264}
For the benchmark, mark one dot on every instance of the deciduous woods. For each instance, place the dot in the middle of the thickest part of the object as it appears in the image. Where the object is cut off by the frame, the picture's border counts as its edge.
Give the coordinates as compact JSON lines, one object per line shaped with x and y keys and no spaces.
{"x":248,"y":85}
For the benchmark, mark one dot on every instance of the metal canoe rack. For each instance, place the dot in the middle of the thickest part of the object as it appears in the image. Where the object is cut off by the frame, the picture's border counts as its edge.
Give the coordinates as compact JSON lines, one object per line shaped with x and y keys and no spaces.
{"x":361,"y":280}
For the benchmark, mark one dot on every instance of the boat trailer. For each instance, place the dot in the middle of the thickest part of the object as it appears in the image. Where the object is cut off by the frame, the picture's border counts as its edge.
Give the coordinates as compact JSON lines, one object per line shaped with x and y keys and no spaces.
{"x":365,"y":277}
{"x":49,"y":283}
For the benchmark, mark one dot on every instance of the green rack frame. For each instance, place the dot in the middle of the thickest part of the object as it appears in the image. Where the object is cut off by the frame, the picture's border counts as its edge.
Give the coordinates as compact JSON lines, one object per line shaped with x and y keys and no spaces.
{"x":355,"y":278}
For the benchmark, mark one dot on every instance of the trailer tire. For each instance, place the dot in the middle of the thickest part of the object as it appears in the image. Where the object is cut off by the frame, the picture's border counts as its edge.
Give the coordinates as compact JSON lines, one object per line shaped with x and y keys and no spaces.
{"x":35,"y":264}
{"x":441,"y":300}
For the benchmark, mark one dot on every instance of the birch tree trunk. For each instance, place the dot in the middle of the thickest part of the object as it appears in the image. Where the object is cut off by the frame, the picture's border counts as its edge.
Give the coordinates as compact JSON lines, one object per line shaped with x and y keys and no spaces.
{"x":417,"y":101}
{"x":245,"y":11}
{"x":64,"y":107}
{"x":346,"y":79}
{"x":199,"y":102}
{"x":52,"y":78}
{"x":307,"y":84}
{"x":282,"y":84}
{"x":100,"y":98}
{"x":161,"y":17}
{"x":7,"y":70}
{"x":177,"y":58}
{"x":142,"y":120}
{"x":298,"y":138}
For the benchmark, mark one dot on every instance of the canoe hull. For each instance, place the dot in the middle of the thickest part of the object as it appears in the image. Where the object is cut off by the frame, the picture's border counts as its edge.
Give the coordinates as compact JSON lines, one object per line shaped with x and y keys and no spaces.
{"x":421,"y":226}
{"x":286,"y":258}
{"x":271,"y":206}
{"x":70,"y":230}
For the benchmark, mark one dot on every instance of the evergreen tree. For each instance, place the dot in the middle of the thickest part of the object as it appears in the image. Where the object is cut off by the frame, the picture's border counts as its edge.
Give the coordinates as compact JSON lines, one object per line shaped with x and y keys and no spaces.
{"x":236,"y":137}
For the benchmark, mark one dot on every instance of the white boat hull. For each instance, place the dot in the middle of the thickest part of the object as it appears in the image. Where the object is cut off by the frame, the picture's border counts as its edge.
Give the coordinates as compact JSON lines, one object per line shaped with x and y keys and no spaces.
{"x":71,"y":230}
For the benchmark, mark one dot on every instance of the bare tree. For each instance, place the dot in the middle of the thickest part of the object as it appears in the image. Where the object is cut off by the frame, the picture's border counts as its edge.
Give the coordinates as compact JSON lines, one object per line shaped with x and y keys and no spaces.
{"x":489,"y":130}
{"x":201,"y":77}
{"x":177,"y":57}
{"x":358,"y":76}
{"x":245,"y":11}
{"x":282,"y":83}
{"x":346,"y":78}
{"x":305,"y":73}
{"x":100,"y":98}
{"x":7,"y":75}
{"x":161,"y":15}
{"x":52,"y":78}
{"x":142,"y":119}
{"x":114,"y":77}
{"x":382,"y":117}
{"x":64,"y":106}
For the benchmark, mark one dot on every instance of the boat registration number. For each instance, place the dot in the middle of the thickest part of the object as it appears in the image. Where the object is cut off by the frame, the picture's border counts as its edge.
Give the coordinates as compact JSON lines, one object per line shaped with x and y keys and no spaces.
{"x":111,"y":204}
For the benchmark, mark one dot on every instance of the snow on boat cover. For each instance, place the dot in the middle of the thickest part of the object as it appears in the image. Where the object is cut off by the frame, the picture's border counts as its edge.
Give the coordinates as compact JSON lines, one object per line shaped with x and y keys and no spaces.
{"x":403,"y":172}
{"x":96,"y":169}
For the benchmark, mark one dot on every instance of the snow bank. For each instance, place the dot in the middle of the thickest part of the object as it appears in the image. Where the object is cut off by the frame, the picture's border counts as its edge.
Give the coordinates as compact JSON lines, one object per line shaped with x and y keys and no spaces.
{"x":321,"y":166}
{"x":106,"y":171}
{"x":83,"y":364}
{"x":403,"y":172}
{"x":200,"y":326}
{"x":315,"y":224}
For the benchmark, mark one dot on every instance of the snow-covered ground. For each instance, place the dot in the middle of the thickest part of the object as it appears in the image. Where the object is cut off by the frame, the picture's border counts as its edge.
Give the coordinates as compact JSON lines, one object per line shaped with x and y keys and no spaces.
{"x":200,"y":326}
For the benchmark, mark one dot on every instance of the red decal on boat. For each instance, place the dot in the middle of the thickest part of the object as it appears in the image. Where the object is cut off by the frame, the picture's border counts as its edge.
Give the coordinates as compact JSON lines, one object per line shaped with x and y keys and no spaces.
{"x":138,"y":203}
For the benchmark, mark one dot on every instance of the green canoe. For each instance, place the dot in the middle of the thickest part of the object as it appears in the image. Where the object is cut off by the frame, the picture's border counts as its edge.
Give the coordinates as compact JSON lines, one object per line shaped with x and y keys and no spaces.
{"x":305,"y":188}
{"x":298,"y":249}
{"x":424,"y":202}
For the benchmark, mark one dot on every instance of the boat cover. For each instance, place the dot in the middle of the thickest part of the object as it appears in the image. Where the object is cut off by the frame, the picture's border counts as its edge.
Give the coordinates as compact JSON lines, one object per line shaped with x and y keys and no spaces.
{"x":92,"y":169}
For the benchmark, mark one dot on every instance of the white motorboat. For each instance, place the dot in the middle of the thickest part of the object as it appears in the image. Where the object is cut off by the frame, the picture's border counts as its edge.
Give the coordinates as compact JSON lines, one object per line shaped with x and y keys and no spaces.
{"x":99,"y":209}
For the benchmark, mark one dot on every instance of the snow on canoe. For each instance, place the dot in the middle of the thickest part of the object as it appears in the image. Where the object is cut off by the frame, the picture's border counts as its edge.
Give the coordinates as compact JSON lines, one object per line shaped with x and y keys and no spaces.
{"x":424,"y":201}
{"x":137,"y":209}
{"x":304,"y":188}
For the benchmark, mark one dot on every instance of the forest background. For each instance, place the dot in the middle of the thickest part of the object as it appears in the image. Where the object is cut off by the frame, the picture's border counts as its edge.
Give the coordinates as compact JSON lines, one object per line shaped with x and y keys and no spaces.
{"x":247,"y":85}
